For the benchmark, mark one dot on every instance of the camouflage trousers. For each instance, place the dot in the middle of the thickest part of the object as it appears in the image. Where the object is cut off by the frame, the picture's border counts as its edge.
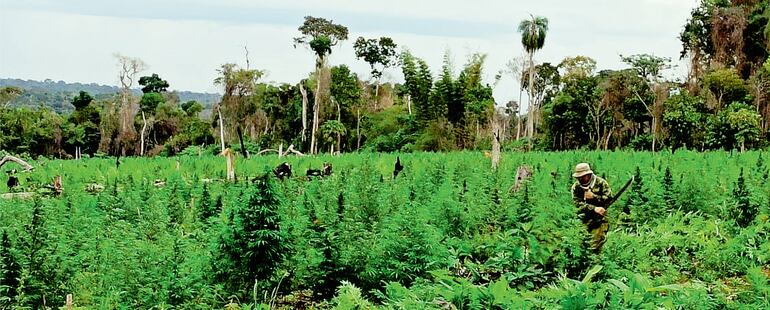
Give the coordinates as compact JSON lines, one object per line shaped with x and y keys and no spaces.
{"x":598,"y":232}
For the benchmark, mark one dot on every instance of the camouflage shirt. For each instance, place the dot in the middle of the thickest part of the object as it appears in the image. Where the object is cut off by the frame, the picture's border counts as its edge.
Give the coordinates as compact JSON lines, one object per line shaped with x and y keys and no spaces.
{"x":602,"y":195}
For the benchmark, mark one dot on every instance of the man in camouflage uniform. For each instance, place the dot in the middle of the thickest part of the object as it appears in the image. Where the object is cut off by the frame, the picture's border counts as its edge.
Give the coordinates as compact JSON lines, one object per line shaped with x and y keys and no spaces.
{"x":592,"y":194}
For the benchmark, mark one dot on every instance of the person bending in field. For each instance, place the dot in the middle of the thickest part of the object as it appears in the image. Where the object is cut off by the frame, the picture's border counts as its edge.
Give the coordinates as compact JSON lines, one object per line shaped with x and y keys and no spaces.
{"x":591,"y":195}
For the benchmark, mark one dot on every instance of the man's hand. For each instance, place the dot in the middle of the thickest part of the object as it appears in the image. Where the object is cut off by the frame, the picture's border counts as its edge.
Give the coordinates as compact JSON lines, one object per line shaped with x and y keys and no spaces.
{"x":588,"y":195}
{"x":600,"y":210}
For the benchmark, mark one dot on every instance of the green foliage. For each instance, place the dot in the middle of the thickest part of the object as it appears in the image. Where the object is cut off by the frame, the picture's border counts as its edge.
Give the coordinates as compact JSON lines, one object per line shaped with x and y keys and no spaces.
{"x":320,"y":35}
{"x":445,"y":233}
{"x":150,"y":102}
{"x":82,"y":100}
{"x":349,"y":298}
{"x":669,"y":191}
{"x":737,"y":126}
{"x":153,"y":84}
{"x":379,"y":54}
{"x":418,"y":83}
{"x":683,"y":118}
{"x":390,"y":131}
{"x":648,"y":67}
{"x":192,"y":108}
{"x":10,"y":272}
{"x":638,"y":201}
{"x":31,"y":132}
{"x":744,"y":210}
{"x":533,"y":33}
{"x":8,"y":93}
{"x":726,"y":86}
{"x":251,"y":245}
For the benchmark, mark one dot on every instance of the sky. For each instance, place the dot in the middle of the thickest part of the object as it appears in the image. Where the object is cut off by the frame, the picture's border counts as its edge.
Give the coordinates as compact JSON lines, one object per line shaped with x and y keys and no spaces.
{"x":185,"y":41}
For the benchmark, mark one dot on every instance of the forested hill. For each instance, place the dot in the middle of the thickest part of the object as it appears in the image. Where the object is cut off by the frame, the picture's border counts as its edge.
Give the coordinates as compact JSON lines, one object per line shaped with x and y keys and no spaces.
{"x":58,"y":95}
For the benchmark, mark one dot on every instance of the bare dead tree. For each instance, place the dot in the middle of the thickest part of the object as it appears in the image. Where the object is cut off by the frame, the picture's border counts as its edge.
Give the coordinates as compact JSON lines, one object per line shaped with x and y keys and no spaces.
{"x":129,"y":68}
{"x":302,"y":90}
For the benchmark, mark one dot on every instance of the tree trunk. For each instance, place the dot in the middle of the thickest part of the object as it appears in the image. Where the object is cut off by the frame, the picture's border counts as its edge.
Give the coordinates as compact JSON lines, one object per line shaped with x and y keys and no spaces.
{"x":221,"y":129}
{"x":409,"y":103}
{"x":313,"y":140}
{"x":532,"y":107}
{"x":339,"y":135}
{"x":607,"y":141}
{"x":495,"y":145}
{"x":316,"y":100}
{"x":240,"y":139}
{"x":358,"y":129}
{"x":376,"y":94}
{"x":141,"y":136}
{"x":518,"y":113}
{"x":654,"y":131}
{"x":229,"y":156}
{"x":303,"y":133}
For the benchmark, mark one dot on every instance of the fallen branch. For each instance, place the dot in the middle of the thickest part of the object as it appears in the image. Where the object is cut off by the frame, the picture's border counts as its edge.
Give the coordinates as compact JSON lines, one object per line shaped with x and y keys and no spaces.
{"x":266,"y":150}
{"x":9,"y":158}
{"x":292,"y":150}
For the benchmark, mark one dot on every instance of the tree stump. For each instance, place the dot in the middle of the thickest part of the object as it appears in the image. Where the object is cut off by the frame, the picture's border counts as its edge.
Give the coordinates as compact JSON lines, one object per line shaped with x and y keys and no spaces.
{"x":522,"y":175}
{"x":230,"y":156}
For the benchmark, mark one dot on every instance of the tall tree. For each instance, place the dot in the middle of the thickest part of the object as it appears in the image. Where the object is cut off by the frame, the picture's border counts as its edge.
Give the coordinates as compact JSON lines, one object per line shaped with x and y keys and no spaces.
{"x":345,"y":91}
{"x":320,"y":35}
{"x":533,"y":33}
{"x":83,"y":130}
{"x":152,"y":87}
{"x":147,"y":105}
{"x":379,"y":54}
{"x":238,"y":85}
{"x":544,"y":87}
{"x":129,"y":68}
{"x":650,"y":69}
{"x":515,"y":67}
{"x":478,"y":106}
{"x":683,"y":116}
{"x":725,"y":87}
{"x":418,"y":82}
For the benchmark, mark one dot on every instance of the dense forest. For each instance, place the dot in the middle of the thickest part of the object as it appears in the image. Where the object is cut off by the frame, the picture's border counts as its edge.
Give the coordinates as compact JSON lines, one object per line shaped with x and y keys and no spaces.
{"x":722,"y":104}
{"x":58,"y":95}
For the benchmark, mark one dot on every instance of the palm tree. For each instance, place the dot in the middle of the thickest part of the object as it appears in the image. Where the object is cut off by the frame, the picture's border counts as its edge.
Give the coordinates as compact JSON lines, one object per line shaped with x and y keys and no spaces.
{"x":532,"y":38}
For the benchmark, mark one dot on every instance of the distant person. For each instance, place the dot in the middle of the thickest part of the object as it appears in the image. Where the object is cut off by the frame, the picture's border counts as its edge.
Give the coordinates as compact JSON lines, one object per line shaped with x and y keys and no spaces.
{"x":282,"y":171}
{"x":13,"y":181}
{"x":592,"y":196}
{"x":398,"y":167}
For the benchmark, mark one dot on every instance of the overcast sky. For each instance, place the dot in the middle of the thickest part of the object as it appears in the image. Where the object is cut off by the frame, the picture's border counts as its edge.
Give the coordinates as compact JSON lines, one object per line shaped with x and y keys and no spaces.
{"x":185,"y":41}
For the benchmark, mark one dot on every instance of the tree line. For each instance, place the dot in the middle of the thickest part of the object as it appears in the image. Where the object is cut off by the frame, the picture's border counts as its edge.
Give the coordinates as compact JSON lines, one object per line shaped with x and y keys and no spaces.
{"x":721,"y":104}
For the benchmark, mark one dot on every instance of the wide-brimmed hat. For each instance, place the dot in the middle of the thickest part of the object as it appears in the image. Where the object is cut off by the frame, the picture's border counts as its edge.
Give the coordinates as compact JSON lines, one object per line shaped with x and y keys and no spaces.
{"x":582,"y":169}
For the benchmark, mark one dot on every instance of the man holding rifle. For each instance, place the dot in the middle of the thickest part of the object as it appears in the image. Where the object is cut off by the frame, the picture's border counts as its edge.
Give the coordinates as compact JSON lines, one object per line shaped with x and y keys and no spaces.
{"x":592,"y":195}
